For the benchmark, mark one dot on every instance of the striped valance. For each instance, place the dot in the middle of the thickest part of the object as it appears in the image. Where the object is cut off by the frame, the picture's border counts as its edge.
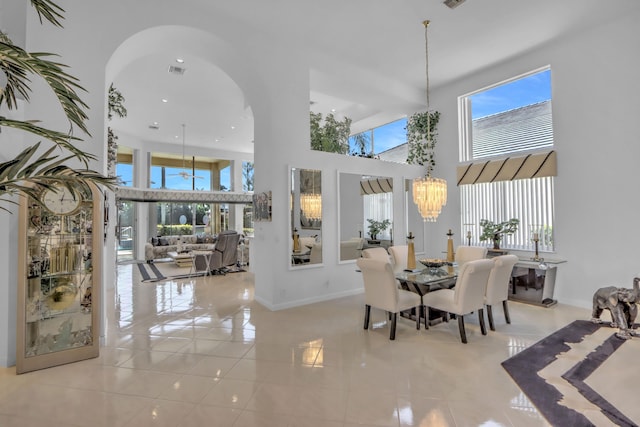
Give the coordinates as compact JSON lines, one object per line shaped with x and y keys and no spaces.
{"x":530,"y":166}
{"x":376,"y":185}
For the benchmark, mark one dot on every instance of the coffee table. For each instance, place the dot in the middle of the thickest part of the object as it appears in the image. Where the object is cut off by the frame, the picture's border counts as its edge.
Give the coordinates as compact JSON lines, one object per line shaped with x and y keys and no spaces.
{"x":184,"y":259}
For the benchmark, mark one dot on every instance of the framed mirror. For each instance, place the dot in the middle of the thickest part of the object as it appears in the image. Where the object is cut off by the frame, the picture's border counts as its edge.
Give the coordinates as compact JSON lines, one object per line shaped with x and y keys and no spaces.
{"x":366,"y":213}
{"x":306,"y":217}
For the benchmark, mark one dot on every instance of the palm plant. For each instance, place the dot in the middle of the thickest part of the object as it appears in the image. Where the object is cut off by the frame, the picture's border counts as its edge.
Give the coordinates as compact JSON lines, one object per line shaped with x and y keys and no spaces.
{"x":31,"y":170}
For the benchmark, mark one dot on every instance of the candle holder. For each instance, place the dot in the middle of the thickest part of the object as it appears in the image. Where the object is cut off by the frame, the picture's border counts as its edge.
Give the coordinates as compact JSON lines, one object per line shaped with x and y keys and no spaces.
{"x":536,"y":240}
{"x":469,"y":238}
{"x":411,"y":252}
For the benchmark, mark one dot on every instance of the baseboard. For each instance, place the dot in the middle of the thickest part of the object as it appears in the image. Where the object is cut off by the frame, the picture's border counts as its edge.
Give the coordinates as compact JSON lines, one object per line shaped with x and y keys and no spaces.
{"x":307,"y":301}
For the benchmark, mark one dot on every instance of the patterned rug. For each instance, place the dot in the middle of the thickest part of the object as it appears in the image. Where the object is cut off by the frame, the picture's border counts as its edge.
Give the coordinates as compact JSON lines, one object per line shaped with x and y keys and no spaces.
{"x":581,"y":375}
{"x":160,"y":270}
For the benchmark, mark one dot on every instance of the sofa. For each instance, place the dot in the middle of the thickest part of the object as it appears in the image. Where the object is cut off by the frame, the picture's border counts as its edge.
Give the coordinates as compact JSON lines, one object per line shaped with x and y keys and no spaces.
{"x":158,"y":247}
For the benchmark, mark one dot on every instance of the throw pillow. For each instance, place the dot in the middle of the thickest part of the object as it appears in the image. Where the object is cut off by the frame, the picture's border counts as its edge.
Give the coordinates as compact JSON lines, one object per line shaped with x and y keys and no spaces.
{"x":154,"y":241}
{"x":163,"y":242}
{"x":199,"y":240}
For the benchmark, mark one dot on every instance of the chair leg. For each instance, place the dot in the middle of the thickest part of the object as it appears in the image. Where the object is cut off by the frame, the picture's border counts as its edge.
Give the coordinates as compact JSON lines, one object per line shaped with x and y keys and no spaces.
{"x":483,"y":328}
{"x":490,"y":317}
{"x":425,"y":311}
{"x":392,"y":334}
{"x":505,"y":307}
{"x":463,"y":334}
{"x":418,"y":310}
{"x":367,"y":313}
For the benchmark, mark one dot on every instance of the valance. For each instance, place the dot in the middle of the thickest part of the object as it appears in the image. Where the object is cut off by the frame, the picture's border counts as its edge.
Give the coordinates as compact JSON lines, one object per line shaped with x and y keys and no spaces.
{"x":536,"y":165}
{"x":376,"y":186}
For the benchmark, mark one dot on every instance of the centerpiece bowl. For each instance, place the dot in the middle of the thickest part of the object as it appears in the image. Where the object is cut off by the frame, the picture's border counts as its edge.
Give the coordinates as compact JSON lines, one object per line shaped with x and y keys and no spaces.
{"x":434,"y":264}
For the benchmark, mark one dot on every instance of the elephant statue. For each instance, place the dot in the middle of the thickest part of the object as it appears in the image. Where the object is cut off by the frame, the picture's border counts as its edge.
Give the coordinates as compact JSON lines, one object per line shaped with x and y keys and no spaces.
{"x":621,"y":303}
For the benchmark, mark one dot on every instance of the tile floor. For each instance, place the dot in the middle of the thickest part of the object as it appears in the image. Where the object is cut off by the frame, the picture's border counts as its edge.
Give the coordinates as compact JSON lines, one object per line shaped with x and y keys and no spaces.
{"x":201,"y":352}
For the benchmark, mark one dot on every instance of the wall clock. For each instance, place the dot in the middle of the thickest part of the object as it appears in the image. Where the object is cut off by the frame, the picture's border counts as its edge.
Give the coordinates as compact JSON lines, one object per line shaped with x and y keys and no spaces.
{"x":61,"y":201}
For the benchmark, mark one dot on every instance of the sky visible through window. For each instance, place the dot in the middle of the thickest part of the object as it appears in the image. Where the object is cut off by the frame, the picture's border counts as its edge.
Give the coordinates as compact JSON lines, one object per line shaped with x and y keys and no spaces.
{"x":525,"y":91}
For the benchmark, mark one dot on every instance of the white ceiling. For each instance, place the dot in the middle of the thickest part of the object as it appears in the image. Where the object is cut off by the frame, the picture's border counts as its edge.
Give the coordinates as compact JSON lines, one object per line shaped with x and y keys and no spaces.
{"x":367,"y":59}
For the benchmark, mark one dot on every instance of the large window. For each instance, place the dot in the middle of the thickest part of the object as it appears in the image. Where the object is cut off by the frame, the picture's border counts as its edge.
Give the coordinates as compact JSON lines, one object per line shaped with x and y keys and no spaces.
{"x":509,"y":121}
{"x":375,"y":141}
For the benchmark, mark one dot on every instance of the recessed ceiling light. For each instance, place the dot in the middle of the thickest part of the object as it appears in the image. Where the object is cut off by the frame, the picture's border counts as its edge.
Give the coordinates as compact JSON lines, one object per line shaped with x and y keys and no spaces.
{"x":179,"y":60}
{"x":233,"y":127}
{"x":333,"y":110}
{"x":156,"y":123}
{"x":165,"y":100}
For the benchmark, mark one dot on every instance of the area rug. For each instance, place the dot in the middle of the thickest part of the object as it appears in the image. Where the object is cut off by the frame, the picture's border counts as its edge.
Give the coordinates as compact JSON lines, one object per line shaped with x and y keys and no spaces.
{"x":581,"y":375}
{"x":158,"y":271}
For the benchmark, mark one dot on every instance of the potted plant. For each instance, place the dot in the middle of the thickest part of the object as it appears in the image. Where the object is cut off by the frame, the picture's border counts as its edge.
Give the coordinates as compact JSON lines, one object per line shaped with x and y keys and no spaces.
{"x":494,"y":231}
{"x":376,"y":227}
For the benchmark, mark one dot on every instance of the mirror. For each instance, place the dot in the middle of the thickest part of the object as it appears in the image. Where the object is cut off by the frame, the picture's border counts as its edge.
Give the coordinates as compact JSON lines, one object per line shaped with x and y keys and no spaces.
{"x":306,"y":217}
{"x":365,"y":201}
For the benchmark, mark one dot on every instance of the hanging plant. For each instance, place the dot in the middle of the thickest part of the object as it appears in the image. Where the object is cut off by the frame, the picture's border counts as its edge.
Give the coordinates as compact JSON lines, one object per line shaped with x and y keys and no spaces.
{"x":115,"y":105}
{"x":329,"y":135}
{"x":421,"y":139}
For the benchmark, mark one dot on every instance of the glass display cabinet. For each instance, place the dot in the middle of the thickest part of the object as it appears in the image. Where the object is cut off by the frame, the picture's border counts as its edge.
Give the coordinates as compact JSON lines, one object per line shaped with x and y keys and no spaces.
{"x":59,"y":277}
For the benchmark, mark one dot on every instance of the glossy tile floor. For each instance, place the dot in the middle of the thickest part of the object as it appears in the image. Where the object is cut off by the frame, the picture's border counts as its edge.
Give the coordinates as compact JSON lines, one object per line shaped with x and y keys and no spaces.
{"x":201,"y":352}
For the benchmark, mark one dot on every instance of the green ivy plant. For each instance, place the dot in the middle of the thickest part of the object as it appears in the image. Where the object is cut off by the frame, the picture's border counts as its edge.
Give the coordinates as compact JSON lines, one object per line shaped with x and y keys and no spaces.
{"x":115,"y":105}
{"x":421,"y":139}
{"x":329,"y":135}
{"x":495,"y":231}
{"x":36,"y":167}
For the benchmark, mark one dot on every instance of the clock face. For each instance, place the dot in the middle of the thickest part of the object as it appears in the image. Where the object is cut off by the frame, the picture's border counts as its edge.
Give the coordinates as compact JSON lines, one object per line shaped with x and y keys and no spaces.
{"x":62,"y":201}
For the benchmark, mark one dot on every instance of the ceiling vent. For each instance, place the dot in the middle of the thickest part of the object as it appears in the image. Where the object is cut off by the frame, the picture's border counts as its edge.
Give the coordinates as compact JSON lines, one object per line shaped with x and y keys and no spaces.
{"x":173,"y":69}
{"x":154,"y":127}
{"x":452,"y":4}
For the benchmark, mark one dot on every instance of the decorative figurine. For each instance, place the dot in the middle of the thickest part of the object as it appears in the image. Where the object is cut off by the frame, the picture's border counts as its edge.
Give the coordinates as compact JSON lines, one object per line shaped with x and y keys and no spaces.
{"x":621,"y":303}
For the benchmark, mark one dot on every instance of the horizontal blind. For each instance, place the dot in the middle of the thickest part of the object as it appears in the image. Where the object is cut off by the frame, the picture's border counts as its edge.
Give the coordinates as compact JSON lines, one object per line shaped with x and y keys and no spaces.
{"x":529,"y":200}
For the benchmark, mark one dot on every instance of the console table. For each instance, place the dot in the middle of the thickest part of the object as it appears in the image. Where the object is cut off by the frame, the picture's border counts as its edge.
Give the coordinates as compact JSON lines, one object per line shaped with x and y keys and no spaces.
{"x":533,"y":282}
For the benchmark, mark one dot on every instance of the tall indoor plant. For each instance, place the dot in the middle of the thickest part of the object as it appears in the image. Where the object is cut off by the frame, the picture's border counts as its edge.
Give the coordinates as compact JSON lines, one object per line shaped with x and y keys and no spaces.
{"x":38,"y":166}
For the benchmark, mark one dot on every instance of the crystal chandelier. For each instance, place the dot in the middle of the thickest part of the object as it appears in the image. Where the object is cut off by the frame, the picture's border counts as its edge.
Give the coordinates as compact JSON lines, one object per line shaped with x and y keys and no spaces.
{"x":429,"y":193}
{"x":311,"y":203}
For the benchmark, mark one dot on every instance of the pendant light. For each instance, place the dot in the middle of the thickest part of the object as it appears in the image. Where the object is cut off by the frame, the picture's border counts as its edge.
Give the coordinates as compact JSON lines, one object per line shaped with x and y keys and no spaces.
{"x":429,"y":193}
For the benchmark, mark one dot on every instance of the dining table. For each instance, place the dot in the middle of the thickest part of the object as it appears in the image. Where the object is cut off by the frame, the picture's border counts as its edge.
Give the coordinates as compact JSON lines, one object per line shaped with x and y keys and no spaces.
{"x":428,"y":279}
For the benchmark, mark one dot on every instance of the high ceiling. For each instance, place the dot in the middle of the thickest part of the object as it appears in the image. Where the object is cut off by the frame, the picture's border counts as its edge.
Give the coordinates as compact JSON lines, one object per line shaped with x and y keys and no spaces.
{"x":367,"y":59}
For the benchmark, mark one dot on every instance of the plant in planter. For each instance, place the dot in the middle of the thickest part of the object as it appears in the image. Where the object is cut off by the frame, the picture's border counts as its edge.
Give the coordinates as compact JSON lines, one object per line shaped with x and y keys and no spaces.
{"x":377,"y":227}
{"x":495,"y":231}
{"x":331,"y":136}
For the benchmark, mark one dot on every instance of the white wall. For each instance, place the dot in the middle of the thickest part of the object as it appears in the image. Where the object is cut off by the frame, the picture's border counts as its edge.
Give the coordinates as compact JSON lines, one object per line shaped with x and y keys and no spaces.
{"x":595,"y":113}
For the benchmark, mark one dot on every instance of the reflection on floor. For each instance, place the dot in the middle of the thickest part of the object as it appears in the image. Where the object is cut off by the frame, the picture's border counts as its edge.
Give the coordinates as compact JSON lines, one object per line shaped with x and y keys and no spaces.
{"x":201,"y":352}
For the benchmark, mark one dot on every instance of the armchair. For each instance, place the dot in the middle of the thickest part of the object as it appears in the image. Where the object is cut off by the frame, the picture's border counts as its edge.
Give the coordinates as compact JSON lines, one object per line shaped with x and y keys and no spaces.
{"x":225,"y":252}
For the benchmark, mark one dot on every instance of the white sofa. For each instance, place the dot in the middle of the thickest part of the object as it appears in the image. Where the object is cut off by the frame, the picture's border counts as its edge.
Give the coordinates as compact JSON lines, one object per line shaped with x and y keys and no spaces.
{"x":158,"y":247}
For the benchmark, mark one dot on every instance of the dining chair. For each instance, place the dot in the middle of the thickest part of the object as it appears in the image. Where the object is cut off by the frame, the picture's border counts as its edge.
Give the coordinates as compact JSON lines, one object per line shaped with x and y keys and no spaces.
{"x":381,"y":291}
{"x":380,"y":254}
{"x":466,"y":297}
{"x":498,"y":286}
{"x":469,"y":253}
{"x":399,"y":257}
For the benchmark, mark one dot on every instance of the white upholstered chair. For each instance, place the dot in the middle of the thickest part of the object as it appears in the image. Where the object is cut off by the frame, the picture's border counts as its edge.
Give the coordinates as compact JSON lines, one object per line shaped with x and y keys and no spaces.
{"x":381,"y":291}
{"x":498,"y":286}
{"x":399,"y":257}
{"x":466,"y":297}
{"x":376,"y":253}
{"x":470,"y":253}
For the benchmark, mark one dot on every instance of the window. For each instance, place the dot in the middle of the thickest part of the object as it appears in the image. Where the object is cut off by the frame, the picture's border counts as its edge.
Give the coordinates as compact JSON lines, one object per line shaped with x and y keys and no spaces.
{"x":373,"y":142}
{"x":509,"y":122}
{"x":379,"y":207}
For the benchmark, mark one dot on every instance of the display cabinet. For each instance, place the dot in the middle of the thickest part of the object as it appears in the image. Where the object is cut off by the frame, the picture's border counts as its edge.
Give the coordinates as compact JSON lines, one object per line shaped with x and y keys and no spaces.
{"x":59,"y":277}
